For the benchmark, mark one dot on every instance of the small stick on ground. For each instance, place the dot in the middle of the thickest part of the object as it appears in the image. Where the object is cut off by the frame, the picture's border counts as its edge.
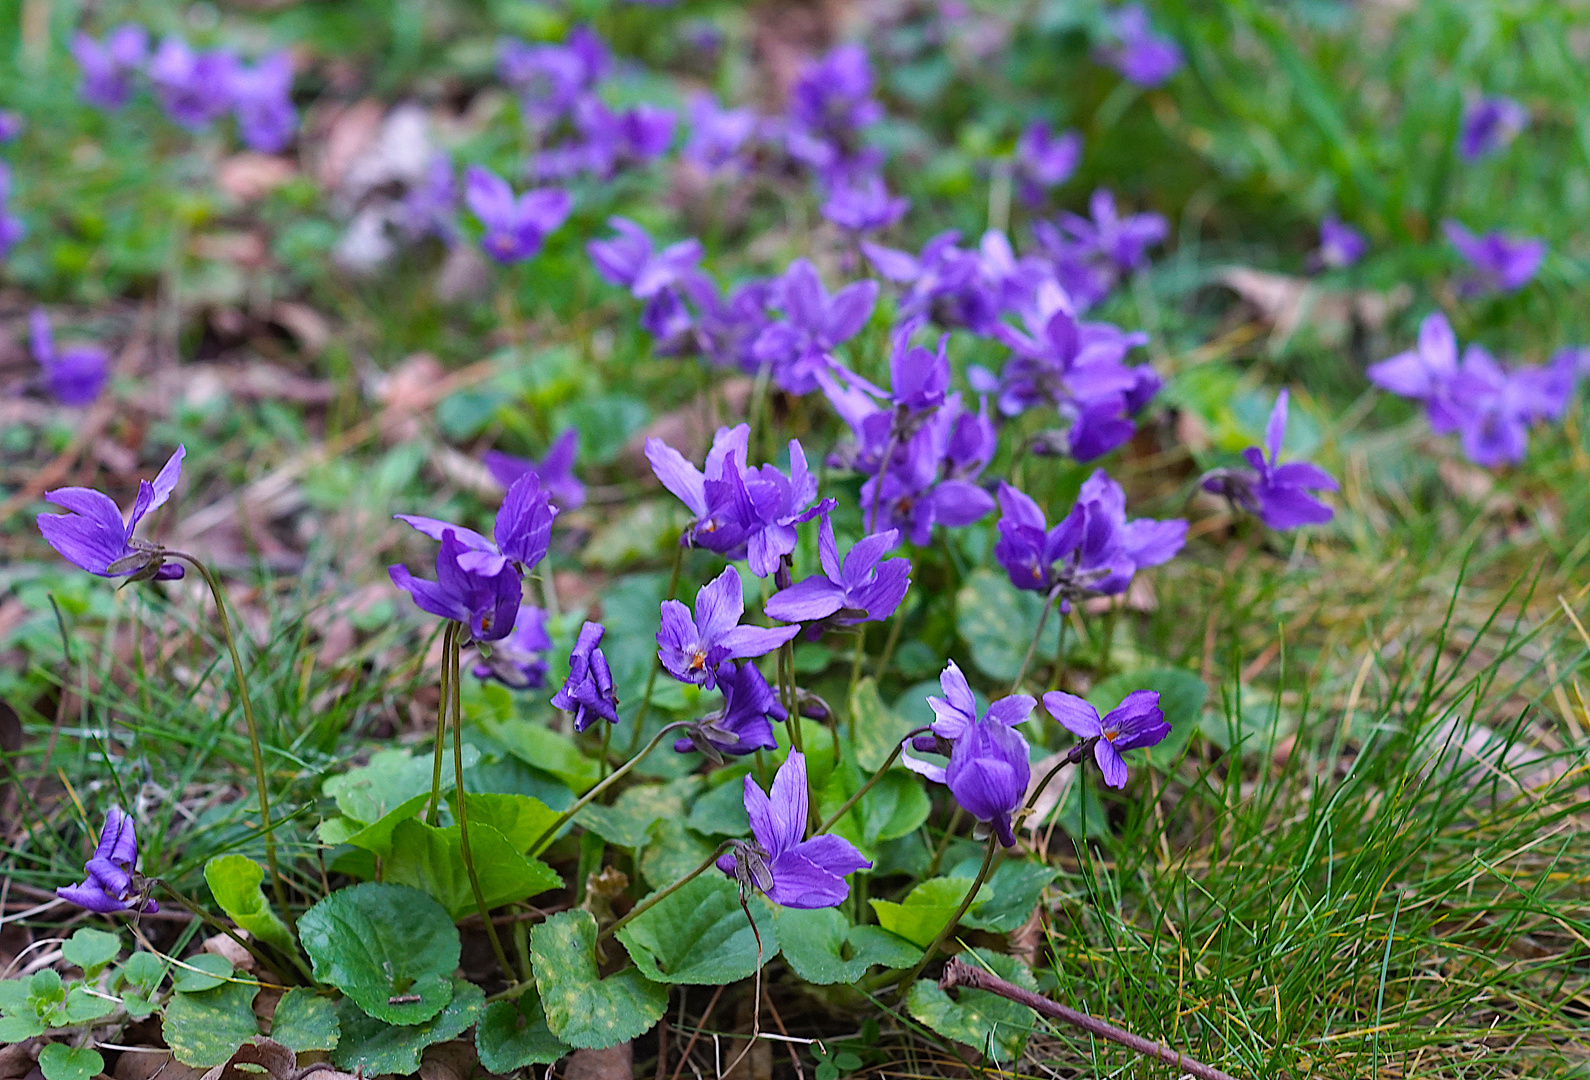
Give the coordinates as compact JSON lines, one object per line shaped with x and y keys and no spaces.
{"x":959,"y":973}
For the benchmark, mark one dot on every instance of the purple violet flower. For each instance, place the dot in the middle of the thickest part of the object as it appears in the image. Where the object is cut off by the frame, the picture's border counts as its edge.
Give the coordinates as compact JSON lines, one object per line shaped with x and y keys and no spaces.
{"x":11,"y":125}
{"x":1122,"y":241}
{"x":1044,"y":160}
{"x":483,"y":596}
{"x":1502,"y":263}
{"x":742,"y":725}
{"x":12,"y":228}
{"x":194,"y":87}
{"x":93,"y":537}
{"x":113,"y":882}
{"x":555,"y":471}
{"x":518,"y":661}
{"x":693,"y":649}
{"x":814,"y":324}
{"x":726,"y":328}
{"x":1489,"y":124}
{"x":108,"y":66}
{"x":1142,"y":56}
{"x":523,"y":529}
{"x":629,"y":261}
{"x":866,"y":587}
{"x":988,"y":768}
{"x":1339,"y":245}
{"x":1093,"y":551}
{"x":946,"y":282}
{"x":863,"y":204}
{"x":1495,"y":406}
{"x":789,"y":871}
{"x":74,"y":375}
{"x":1136,"y":722}
{"x":516,"y":226}
{"x":1425,"y":373}
{"x":616,"y":139}
{"x":588,"y":691}
{"x":263,"y":104}
{"x":1277,"y":494}
{"x":930,"y":479}
{"x":430,"y":207}
{"x":550,"y":79}
{"x":829,"y":105}
{"x":717,"y":135}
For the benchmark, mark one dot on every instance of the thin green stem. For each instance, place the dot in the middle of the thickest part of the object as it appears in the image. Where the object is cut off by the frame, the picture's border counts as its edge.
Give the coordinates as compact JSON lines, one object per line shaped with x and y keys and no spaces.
{"x":267,"y":827}
{"x":601,"y":757}
{"x":618,"y":774}
{"x":1058,"y":676}
{"x":944,"y":841}
{"x":656,"y":664}
{"x":966,"y":903}
{"x":449,"y":640}
{"x":450,"y":664}
{"x":247,"y":946}
{"x":786,"y":681}
{"x":868,"y":786}
{"x":1032,"y":646}
{"x":657,"y":897}
{"x":895,"y":626}
{"x":856,"y":656}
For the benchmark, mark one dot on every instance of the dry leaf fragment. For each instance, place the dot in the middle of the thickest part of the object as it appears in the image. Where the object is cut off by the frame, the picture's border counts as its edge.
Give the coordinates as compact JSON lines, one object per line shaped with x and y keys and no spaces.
{"x":613,"y":1063}
{"x":249,"y":176}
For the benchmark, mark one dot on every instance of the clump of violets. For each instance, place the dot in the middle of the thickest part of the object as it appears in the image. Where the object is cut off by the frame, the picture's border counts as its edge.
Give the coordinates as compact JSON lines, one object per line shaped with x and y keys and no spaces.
{"x":1340,"y":245}
{"x":113,"y":882}
{"x":1501,"y":263}
{"x":92,"y":536}
{"x":744,"y":724}
{"x":12,"y":228}
{"x":554,"y":472}
{"x":694,"y":648}
{"x":262,"y":103}
{"x":1044,"y":160}
{"x":988,"y":768}
{"x":194,"y":87}
{"x":1489,"y":124}
{"x":516,"y":225}
{"x":629,"y":260}
{"x":1490,"y":407}
{"x":830,"y":106}
{"x":588,"y":691}
{"x":865,"y":587}
{"x":1277,"y":494}
{"x":108,"y":66}
{"x":74,"y":375}
{"x":718,"y":136}
{"x":518,"y":661}
{"x":790,"y":871}
{"x":1091,"y":253}
{"x":1093,"y":551}
{"x":1138,"y":53}
{"x":1137,"y":722}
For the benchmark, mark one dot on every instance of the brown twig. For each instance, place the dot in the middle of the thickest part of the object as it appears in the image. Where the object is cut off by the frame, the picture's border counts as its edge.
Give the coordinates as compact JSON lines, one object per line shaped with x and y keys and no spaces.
{"x":959,"y":973}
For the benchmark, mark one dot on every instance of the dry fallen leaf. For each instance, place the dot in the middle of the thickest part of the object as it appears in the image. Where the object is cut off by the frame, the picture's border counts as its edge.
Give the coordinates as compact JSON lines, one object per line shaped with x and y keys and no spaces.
{"x":276,"y":1060}
{"x":230,"y":951}
{"x":161,"y":1066}
{"x":614,"y":1063}
{"x":249,"y":176}
{"x":1287,"y":303}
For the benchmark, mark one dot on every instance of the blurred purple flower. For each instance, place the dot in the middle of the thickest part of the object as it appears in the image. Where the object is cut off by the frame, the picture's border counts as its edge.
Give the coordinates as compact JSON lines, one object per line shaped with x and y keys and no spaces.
{"x":522,"y":530}
{"x":742,"y":725}
{"x":1502,"y":263}
{"x":1136,"y":722}
{"x":482,"y":596}
{"x":1340,"y":245}
{"x":108,"y":66}
{"x":1093,"y":551}
{"x":1277,"y":494}
{"x":550,"y":79}
{"x":946,"y":283}
{"x":1144,"y":57}
{"x":866,"y":587}
{"x":588,"y":691}
{"x":717,"y":135}
{"x":863,"y":204}
{"x":194,"y":87}
{"x":628,"y":259}
{"x":1425,"y":373}
{"x":789,"y":871}
{"x":693,"y":649}
{"x":518,"y":661}
{"x":111,"y":883}
{"x":814,"y":324}
{"x":11,"y":125}
{"x":263,"y":104}
{"x":93,"y":537}
{"x":1123,"y":241}
{"x":555,"y":471}
{"x":1489,"y":124}
{"x":74,"y":375}
{"x":613,"y":140}
{"x":832,"y":100}
{"x":726,"y":328}
{"x":516,"y":226}
{"x":1044,"y":160}
{"x":12,"y":228}
{"x":430,"y":207}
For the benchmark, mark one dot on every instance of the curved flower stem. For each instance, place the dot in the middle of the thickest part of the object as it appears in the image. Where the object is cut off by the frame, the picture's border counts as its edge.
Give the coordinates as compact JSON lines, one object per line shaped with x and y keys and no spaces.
{"x":449,"y":643}
{"x":871,"y":523}
{"x":618,"y":774}
{"x":247,"y":946}
{"x":895,"y":626}
{"x":949,"y":927}
{"x":601,"y":756}
{"x":1032,"y":647}
{"x":656,"y":664}
{"x":856,"y":657}
{"x":642,"y":907}
{"x":868,"y":786}
{"x":1058,"y":676}
{"x":267,"y":826}
{"x":450,"y":665}
{"x":945,"y":841}
{"x":786,"y":679}
{"x":1072,"y":758}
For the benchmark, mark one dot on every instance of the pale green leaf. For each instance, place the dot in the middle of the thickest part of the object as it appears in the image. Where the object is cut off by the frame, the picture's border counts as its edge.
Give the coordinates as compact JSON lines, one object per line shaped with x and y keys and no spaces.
{"x":994,"y":1026}
{"x":582,"y":1009}
{"x":304,"y":1020}
{"x":234,"y":881}
{"x":205,"y":1028}
{"x":432,"y":860}
{"x":824,"y":948}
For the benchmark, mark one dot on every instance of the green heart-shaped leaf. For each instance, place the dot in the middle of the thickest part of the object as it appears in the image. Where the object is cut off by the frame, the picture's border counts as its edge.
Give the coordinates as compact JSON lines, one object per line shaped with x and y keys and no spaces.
{"x":512,"y":1035}
{"x":234,"y":881}
{"x":700,"y":935}
{"x":392,"y":777}
{"x":522,"y":819}
{"x":926,"y":908}
{"x":997,"y":622}
{"x":205,"y":1028}
{"x":824,"y":948}
{"x":57,"y":1061}
{"x":432,"y":860}
{"x":305,"y":1021}
{"x":896,"y":806}
{"x":377,"y":1048}
{"x":628,"y":821}
{"x":997,"y":1027}
{"x":205,"y":971}
{"x":1016,"y":886}
{"x":383,"y":945}
{"x":583,"y":1010}
{"x":91,"y":950}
